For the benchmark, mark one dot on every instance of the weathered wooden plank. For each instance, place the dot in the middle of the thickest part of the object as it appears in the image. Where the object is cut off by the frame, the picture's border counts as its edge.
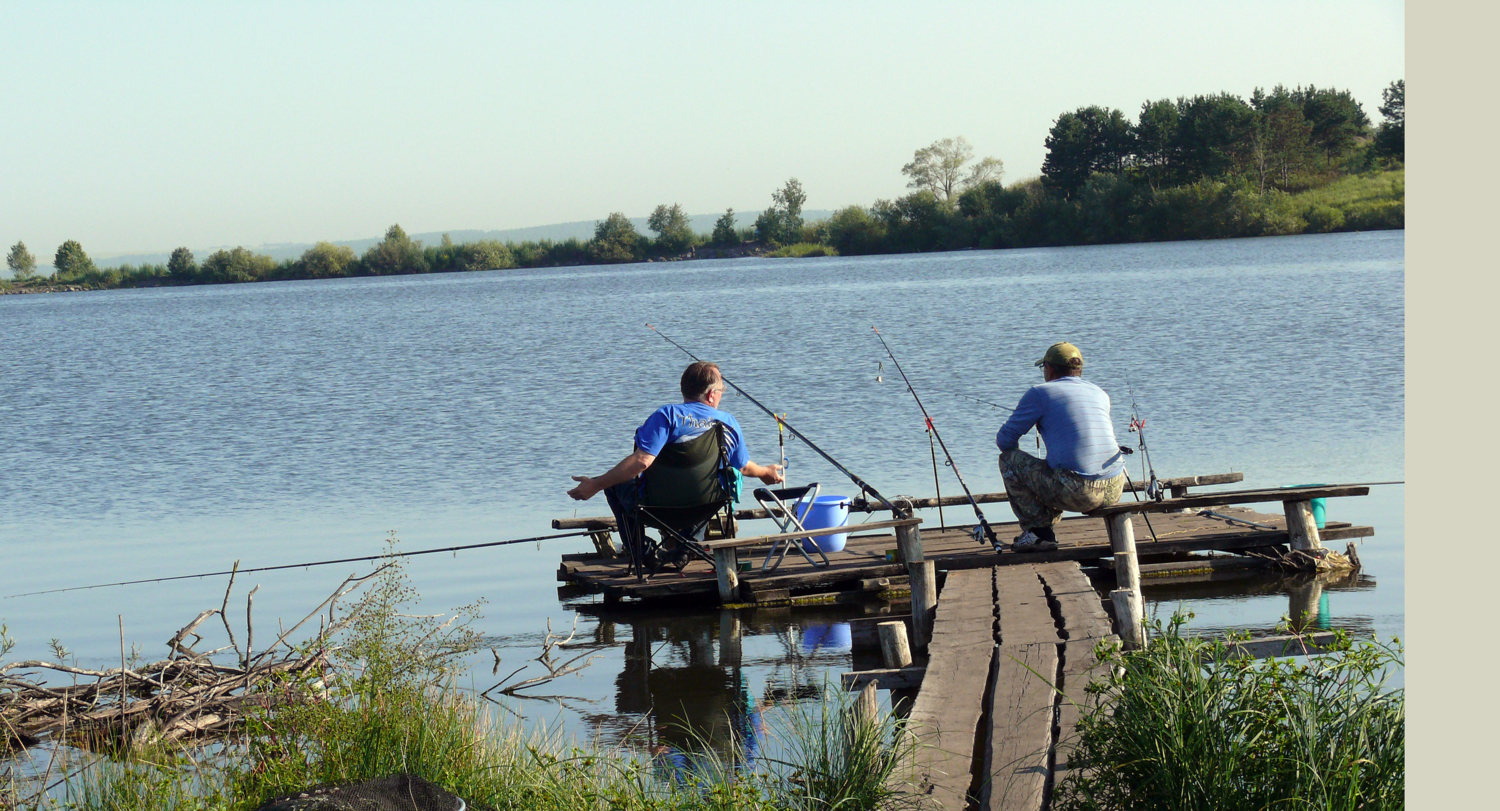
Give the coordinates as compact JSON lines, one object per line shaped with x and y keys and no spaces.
{"x":753,"y":540}
{"x":1025,"y":616}
{"x":1079,"y":667}
{"x":945,"y":718}
{"x":890,"y":678}
{"x":1015,"y":766}
{"x":861,"y":505}
{"x":1233,"y":497}
{"x":947,"y":710}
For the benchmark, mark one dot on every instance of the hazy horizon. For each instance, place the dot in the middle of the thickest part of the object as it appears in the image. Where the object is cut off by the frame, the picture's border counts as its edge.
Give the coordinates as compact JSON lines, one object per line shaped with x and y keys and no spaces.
{"x":141,"y":128}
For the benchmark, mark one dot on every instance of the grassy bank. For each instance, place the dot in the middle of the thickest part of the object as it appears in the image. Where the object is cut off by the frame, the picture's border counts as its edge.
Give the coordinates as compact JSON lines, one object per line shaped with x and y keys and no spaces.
{"x":1181,"y":725}
{"x":390,"y":703}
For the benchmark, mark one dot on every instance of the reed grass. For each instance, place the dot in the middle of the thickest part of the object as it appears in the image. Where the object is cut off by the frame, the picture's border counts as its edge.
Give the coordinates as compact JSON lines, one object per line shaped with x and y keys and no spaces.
{"x":1183,"y":725}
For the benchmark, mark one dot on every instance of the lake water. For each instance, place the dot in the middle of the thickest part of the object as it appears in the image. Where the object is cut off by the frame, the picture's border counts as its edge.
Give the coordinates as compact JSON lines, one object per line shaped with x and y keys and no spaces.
{"x":149,"y":433}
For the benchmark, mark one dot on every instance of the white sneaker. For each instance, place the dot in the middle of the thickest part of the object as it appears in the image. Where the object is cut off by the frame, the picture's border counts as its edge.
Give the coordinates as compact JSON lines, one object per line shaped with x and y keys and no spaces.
{"x":1029,"y":542}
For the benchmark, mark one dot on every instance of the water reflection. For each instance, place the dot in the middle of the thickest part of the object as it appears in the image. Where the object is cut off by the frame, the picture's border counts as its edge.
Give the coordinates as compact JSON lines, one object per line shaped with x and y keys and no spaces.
{"x":701,"y":682}
{"x":1310,"y":601}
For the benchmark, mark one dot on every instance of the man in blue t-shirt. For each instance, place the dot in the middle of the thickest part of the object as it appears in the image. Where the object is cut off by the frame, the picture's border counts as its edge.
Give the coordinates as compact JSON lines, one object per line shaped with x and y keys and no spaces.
{"x":702,"y":390}
{"x":1084,"y":469}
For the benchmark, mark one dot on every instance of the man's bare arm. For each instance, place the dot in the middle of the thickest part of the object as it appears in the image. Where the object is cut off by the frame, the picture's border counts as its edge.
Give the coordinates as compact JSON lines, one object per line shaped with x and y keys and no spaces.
{"x":631,"y":466}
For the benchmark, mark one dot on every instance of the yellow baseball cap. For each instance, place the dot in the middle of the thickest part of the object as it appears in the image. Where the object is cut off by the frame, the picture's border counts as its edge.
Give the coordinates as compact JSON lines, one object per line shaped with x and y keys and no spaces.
{"x":1063,"y":354}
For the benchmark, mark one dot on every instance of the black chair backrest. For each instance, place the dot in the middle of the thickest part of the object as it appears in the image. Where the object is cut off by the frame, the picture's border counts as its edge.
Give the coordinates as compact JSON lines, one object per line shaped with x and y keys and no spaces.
{"x":688,"y":474}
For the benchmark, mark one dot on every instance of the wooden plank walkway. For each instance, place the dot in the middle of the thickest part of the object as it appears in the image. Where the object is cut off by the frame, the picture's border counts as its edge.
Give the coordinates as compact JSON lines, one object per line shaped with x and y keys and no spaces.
{"x":1011,"y":651}
{"x":863,"y":564}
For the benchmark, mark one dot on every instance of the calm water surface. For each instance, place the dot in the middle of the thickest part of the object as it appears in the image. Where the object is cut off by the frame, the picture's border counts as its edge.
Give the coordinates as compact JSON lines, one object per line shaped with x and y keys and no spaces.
{"x":163,"y":432}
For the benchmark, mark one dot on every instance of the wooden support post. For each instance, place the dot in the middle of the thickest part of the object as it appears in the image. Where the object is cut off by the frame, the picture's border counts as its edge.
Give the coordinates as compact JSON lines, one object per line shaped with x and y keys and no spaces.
{"x":1301,"y":529}
{"x":604,"y":543}
{"x":1302,"y":609}
{"x":1127,"y":572}
{"x":894,"y":649}
{"x":725,"y":563}
{"x":867,"y":706}
{"x":730,"y":650}
{"x":1122,"y":544}
{"x":909,"y":544}
{"x":923,"y":601}
{"x":1178,"y":490}
{"x":1129,"y":612}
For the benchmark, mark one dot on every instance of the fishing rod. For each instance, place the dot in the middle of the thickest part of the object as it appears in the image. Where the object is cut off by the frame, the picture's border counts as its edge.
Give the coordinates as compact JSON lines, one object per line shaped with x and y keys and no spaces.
{"x":858,"y":482}
{"x":931,"y":448}
{"x":1007,"y":409}
{"x":984,"y":525}
{"x":1153,"y":486}
{"x":366,"y":558}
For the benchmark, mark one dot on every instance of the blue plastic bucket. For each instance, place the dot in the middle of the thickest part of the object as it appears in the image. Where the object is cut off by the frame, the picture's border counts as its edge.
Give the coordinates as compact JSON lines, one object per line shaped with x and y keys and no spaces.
{"x":835,"y":636}
{"x":825,"y":512}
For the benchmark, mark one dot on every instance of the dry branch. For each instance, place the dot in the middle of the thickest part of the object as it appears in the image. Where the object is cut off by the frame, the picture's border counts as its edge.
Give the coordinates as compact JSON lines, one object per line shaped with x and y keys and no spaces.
{"x":182,"y":696}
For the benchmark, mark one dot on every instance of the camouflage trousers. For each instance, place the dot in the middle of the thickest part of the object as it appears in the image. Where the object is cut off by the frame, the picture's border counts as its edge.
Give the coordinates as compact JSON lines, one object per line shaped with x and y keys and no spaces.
{"x":1039,"y":494}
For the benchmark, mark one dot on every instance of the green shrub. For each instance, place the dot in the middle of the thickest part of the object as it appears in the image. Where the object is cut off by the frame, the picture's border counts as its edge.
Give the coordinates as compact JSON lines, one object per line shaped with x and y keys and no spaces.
{"x":804,"y":250}
{"x":1183,"y":725}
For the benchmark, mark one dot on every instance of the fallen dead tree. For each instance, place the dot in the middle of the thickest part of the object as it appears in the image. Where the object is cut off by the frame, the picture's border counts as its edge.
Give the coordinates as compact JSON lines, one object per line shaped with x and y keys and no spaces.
{"x":191,"y":693}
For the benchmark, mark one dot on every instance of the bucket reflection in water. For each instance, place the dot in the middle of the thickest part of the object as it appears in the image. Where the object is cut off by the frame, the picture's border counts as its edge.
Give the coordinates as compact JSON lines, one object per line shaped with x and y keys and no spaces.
{"x":826,"y":638}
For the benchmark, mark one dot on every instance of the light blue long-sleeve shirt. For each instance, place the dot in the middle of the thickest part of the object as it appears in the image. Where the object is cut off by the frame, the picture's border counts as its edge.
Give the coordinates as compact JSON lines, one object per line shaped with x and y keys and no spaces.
{"x":1072,"y":415}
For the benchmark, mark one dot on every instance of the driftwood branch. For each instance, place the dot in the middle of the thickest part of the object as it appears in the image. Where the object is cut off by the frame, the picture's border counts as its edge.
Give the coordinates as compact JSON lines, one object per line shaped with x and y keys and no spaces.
{"x":185,"y":695}
{"x":555,"y":670}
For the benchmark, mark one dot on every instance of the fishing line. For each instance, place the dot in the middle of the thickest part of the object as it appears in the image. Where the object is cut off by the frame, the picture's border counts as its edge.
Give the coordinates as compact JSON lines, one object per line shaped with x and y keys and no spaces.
{"x":1006,"y":409}
{"x":858,"y":482}
{"x":987,"y":530}
{"x":366,"y":558}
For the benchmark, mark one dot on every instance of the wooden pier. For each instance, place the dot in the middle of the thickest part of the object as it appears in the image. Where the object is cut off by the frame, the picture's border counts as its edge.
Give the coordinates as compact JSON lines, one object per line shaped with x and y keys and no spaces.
{"x":873,"y":565}
{"x":998,"y":648}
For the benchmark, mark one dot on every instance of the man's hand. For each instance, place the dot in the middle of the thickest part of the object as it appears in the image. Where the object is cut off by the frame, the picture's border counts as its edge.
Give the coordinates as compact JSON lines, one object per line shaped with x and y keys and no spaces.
{"x":585,"y":490}
{"x":769,"y":474}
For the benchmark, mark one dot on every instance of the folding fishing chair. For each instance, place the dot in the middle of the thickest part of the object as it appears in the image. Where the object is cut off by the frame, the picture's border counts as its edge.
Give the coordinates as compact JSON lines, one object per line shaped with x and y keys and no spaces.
{"x":688,"y":492}
{"x":790,"y":520}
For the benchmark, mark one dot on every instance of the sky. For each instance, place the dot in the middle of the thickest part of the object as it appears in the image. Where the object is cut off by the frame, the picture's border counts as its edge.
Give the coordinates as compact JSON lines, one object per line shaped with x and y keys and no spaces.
{"x":138,"y":127}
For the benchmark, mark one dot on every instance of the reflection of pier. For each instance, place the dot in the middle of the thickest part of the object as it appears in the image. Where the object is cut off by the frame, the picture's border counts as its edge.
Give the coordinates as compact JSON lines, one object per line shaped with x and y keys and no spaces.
{"x":686,"y":686}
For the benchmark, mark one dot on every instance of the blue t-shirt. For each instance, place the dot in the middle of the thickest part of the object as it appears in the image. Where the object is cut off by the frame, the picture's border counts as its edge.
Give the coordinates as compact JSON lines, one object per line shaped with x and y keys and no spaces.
{"x":681,"y":422}
{"x":1072,"y":415}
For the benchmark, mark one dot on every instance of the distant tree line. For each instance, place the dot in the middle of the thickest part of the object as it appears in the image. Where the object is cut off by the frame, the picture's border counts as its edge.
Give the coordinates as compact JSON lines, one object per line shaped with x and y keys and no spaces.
{"x":1285,"y":162}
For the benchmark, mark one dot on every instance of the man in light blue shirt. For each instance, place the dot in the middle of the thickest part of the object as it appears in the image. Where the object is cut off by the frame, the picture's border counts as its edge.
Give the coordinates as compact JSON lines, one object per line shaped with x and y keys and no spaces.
{"x":1084,"y":469}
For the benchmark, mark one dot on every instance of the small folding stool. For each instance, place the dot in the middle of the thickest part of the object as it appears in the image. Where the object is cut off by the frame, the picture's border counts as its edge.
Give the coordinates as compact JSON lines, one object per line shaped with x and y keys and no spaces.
{"x":790,"y":520}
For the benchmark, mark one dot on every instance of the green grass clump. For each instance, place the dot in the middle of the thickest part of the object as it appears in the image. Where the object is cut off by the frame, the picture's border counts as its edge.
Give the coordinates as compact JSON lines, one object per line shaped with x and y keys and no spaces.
{"x":1182,"y":725}
{"x":802,"y":250}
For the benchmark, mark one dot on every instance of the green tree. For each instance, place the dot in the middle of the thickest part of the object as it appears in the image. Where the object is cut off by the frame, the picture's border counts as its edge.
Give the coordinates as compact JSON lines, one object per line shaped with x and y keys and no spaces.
{"x":674,"y":233}
{"x":939,"y":168}
{"x":22,"y":264}
{"x":397,"y":253}
{"x":326,"y":260}
{"x":1080,"y":143}
{"x":853,"y":231}
{"x":1214,"y":135}
{"x":781,"y":224}
{"x":724,"y":234}
{"x":70,"y":260}
{"x":615,"y":240}
{"x":181,"y":266}
{"x":1390,"y":139}
{"x":237,"y":265}
{"x":1155,"y":142}
{"x":1337,"y":120}
{"x":1281,"y":138}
